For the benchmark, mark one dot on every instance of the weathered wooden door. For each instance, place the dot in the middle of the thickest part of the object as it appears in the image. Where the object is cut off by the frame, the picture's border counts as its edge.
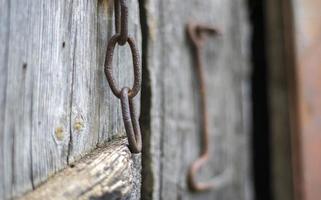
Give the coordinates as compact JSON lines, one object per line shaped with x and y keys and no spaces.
{"x":58,"y":112}
{"x":173,"y":126}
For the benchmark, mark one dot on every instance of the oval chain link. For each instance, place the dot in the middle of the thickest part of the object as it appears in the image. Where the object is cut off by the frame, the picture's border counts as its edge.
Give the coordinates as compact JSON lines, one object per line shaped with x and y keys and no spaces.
{"x":130,"y":121}
{"x":109,"y":66}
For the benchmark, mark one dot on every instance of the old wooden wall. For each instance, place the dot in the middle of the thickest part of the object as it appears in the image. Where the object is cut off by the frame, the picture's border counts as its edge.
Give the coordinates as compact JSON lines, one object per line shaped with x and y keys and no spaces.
{"x":55,"y":103}
{"x":171,"y":116}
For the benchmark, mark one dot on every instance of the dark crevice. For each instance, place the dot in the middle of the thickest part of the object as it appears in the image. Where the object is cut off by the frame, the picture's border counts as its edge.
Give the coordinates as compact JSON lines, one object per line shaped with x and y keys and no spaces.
{"x":145,"y":118}
{"x":13,"y":160}
{"x":99,"y":77}
{"x":163,"y":22}
{"x":260,"y":115}
{"x":31,"y":143}
{"x":70,"y":144}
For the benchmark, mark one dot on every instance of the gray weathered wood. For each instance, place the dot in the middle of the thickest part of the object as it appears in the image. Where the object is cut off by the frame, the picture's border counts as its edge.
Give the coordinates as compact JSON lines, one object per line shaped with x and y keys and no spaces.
{"x":55,"y":103}
{"x":172,"y":134}
{"x":105,"y":173}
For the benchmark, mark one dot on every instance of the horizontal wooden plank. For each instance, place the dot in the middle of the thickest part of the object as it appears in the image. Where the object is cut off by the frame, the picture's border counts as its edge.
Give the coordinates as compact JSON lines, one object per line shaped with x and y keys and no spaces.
{"x":106,"y":173}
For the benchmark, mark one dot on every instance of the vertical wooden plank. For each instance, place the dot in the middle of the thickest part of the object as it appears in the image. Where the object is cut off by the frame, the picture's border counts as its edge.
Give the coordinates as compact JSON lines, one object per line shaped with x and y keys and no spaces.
{"x":50,"y":59}
{"x":84,"y":104}
{"x":294,"y":42}
{"x":172,"y":135}
{"x":4,"y":38}
{"x":36,"y":96}
{"x":279,"y":90}
{"x":307,"y":45}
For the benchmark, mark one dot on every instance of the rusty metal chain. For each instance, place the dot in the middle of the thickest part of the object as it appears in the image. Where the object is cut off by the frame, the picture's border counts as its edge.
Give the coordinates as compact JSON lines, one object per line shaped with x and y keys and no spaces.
{"x":130,"y":121}
{"x":125,"y":94}
{"x":197,"y":33}
{"x":121,"y":20}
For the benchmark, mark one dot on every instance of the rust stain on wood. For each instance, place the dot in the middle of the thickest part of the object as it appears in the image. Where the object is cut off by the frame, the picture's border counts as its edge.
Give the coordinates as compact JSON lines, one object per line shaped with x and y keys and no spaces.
{"x":59,"y":133}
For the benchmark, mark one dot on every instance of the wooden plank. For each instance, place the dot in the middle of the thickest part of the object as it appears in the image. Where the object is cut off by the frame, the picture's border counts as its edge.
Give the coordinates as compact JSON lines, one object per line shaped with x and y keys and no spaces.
{"x":172,"y":135}
{"x":280,"y":98}
{"x":307,"y":46}
{"x":4,"y":38}
{"x":106,"y":173}
{"x":55,"y":104}
{"x":37,"y":95}
{"x":294,"y":49}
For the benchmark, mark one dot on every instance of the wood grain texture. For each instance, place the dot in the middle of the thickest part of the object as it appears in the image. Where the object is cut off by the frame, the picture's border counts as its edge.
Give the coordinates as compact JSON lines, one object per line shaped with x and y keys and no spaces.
{"x":303,"y":46}
{"x":172,"y":134}
{"x":106,"y":173}
{"x":55,"y":103}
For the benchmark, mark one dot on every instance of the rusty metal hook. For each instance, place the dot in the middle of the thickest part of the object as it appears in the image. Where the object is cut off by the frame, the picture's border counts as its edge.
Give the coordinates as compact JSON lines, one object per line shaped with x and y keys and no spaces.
{"x":196,"y":33}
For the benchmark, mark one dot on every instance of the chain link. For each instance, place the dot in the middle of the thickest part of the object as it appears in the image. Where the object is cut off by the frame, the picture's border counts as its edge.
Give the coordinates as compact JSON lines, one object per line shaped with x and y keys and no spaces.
{"x":121,"y":20}
{"x":130,"y":121}
{"x":109,"y":66}
{"x":125,"y":94}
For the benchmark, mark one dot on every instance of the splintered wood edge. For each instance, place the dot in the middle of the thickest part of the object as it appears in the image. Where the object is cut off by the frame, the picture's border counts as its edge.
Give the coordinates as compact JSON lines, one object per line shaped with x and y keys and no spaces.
{"x":105,"y":173}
